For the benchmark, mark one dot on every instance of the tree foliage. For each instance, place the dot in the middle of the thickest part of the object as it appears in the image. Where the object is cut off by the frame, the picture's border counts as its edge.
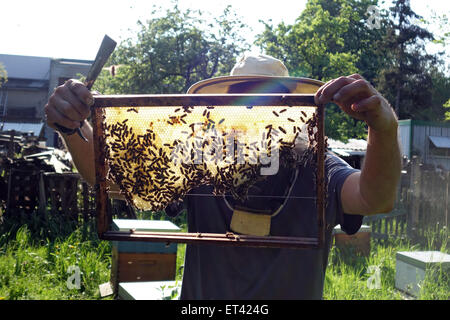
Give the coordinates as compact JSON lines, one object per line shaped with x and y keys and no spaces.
{"x":332,"y":38}
{"x":329,"y":39}
{"x":440,"y":93}
{"x":3,"y":74}
{"x":314,"y":45}
{"x":447,"y":113}
{"x":405,"y":76}
{"x":174,"y":51}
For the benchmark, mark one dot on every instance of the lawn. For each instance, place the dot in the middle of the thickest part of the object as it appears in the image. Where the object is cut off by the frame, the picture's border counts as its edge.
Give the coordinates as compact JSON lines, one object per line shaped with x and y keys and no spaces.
{"x":35,"y":264}
{"x":352,"y":277}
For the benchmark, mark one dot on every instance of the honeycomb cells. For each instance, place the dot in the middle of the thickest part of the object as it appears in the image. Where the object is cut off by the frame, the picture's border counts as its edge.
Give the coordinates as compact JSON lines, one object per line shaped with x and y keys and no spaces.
{"x":156,"y":155}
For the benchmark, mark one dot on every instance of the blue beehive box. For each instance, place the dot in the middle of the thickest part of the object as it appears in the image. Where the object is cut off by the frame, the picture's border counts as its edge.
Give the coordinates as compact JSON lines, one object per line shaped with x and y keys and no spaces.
{"x":144,"y":225}
{"x":137,"y":261}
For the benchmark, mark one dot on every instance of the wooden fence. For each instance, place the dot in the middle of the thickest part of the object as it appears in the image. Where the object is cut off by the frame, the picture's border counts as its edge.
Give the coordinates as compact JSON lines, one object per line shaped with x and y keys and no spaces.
{"x":422,"y":205}
{"x":60,"y":194}
{"x":63,"y":194}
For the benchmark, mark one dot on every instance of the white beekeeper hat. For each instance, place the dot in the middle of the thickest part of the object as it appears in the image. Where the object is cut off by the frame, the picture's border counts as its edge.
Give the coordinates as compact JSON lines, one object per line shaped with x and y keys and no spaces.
{"x":259,"y":68}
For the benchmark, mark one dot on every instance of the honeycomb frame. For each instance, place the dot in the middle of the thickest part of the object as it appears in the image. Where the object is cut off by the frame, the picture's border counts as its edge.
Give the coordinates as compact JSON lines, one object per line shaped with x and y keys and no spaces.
{"x":190,"y":102}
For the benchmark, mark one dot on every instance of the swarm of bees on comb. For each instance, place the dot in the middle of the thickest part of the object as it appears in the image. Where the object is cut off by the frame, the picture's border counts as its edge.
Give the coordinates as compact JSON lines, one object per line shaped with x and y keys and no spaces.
{"x":157,"y":155}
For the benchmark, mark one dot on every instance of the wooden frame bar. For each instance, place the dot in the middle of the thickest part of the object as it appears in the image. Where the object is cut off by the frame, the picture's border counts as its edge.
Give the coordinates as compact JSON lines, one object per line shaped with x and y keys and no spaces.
{"x":104,"y":217}
{"x":212,"y":238}
{"x":320,"y":175}
{"x":164,"y":100}
{"x":101,"y":191}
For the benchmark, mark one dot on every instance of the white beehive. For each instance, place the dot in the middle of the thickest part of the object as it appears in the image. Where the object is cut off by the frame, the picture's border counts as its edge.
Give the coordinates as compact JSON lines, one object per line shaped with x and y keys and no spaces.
{"x":412,"y":267}
{"x":149,"y":290}
{"x":137,"y":261}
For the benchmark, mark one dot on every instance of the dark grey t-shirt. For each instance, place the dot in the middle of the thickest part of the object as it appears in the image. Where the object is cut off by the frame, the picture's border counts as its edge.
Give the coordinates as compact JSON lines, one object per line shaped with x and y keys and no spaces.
{"x":224,"y":272}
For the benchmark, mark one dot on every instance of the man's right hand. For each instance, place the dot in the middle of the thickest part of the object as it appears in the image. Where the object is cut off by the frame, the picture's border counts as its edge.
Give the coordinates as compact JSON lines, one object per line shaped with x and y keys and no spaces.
{"x":69,"y":105}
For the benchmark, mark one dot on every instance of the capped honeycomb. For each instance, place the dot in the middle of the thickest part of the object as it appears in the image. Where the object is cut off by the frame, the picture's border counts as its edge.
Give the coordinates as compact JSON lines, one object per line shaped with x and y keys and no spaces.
{"x":156,"y":155}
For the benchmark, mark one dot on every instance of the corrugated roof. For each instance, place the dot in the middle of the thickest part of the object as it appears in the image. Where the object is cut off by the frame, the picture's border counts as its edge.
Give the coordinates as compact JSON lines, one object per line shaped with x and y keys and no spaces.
{"x":354,"y":147}
{"x":352,"y":144}
{"x":341,"y":152}
{"x":36,"y":128}
{"x":440,"y":142}
{"x":412,"y":122}
{"x":26,"y":67}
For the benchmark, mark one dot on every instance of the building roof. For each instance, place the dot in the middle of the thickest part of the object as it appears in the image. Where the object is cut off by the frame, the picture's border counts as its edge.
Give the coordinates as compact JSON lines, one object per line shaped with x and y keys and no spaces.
{"x":26,"y":67}
{"x":354,"y":147}
{"x":77,"y":62}
{"x":440,"y":142}
{"x":412,"y":122}
{"x":35,"y":68}
{"x":36,"y":128}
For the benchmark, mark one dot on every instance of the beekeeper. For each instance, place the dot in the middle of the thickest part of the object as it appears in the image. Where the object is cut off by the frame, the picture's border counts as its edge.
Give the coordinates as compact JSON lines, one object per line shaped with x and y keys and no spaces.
{"x":286,"y":198}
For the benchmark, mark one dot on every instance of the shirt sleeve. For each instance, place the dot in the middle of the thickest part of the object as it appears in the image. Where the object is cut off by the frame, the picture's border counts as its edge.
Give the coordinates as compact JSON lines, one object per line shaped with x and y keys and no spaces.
{"x":337,"y":171}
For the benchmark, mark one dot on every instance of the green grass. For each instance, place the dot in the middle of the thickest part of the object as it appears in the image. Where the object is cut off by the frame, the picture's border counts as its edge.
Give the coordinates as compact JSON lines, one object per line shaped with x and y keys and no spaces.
{"x":347,"y":275}
{"x":31,"y":269}
{"x":35,"y":259}
{"x":36,"y":253}
{"x":181,"y":250}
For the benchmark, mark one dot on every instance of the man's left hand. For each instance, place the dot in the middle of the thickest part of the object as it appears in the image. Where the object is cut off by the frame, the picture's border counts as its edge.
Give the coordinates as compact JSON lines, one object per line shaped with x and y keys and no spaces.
{"x":359,"y":99}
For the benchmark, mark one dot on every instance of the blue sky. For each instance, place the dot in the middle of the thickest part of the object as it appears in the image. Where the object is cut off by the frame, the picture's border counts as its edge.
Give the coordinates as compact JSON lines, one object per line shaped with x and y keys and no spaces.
{"x":63,"y":29}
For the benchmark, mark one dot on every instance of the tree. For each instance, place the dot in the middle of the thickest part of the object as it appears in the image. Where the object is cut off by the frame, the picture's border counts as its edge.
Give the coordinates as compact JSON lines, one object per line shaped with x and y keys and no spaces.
{"x":3,"y":74}
{"x":174,"y":51}
{"x":447,"y":113}
{"x":329,"y":39}
{"x":440,"y":93}
{"x":313,"y":45}
{"x":332,"y":38}
{"x":404,"y":76}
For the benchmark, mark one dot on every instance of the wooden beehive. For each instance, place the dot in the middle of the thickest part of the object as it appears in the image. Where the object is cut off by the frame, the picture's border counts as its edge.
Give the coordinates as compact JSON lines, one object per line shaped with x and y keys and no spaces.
{"x":143,"y":261}
{"x":358,"y":242}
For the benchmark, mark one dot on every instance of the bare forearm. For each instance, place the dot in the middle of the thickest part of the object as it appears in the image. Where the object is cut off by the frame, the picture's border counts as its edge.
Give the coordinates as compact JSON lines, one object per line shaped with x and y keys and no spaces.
{"x":372,"y":190}
{"x":68,"y":106}
{"x":82,"y":152}
{"x":83,"y":157}
{"x":381,"y":171}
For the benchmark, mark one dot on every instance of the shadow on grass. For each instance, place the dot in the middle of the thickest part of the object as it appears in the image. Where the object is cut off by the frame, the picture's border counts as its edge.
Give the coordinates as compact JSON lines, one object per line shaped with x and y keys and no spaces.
{"x":45,"y":228}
